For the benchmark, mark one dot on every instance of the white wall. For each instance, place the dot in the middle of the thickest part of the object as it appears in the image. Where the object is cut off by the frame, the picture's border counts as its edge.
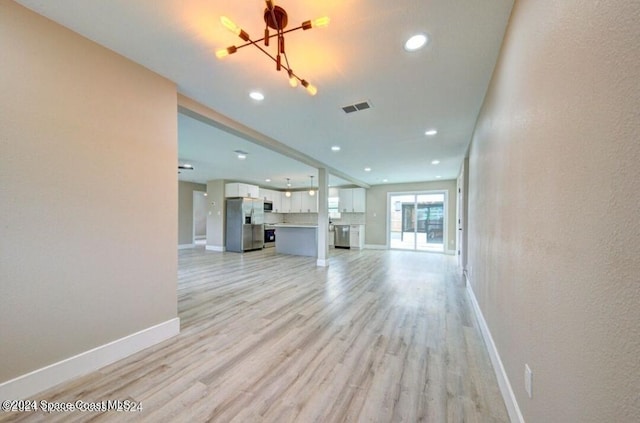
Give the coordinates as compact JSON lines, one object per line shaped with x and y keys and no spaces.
{"x":88,"y":194}
{"x":554,"y":209}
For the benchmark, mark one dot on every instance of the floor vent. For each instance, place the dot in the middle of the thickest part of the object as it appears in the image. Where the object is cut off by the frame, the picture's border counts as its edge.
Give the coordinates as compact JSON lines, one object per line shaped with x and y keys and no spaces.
{"x":357,"y":107}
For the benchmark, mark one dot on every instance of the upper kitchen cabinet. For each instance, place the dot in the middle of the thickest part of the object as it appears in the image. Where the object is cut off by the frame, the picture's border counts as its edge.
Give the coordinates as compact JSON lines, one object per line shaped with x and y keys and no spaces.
{"x":285,"y":203}
{"x":238,"y":189}
{"x":274,"y":196}
{"x":309,"y":202}
{"x":277,"y":201}
{"x":296,"y":202}
{"x":352,"y":200}
{"x":265,"y":194}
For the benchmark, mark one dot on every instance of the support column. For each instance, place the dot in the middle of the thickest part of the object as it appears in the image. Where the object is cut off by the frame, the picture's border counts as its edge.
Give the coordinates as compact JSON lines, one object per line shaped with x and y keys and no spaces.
{"x":323,"y":217}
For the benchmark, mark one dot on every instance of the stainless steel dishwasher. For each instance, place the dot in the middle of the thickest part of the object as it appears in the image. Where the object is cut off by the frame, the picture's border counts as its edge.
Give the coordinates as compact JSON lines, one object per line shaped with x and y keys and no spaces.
{"x":342,"y":236}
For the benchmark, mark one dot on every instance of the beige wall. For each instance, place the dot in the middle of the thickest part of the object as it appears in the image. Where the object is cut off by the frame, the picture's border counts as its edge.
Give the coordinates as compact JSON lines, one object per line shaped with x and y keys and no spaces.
{"x":554,"y":209}
{"x":88,"y":193}
{"x":185,"y":210}
{"x":376,"y":216}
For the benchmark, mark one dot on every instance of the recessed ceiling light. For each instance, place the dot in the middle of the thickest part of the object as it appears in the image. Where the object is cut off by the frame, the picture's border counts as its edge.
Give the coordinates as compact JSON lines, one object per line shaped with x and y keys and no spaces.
{"x":435,"y":162}
{"x":416,"y":42}
{"x":267,"y":180}
{"x":431,"y":132}
{"x":335,"y":148}
{"x":385,"y":180}
{"x":258,"y":96}
{"x":241,"y":154}
{"x":438,"y":177}
{"x":367,"y":169}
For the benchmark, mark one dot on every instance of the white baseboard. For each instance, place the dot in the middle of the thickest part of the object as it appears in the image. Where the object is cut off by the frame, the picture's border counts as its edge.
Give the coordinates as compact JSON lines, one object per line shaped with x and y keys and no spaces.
{"x":215,"y":248}
{"x":27,"y":385}
{"x":515,"y":415}
{"x":375,"y":247}
{"x":186,"y":246}
{"x":322,"y":262}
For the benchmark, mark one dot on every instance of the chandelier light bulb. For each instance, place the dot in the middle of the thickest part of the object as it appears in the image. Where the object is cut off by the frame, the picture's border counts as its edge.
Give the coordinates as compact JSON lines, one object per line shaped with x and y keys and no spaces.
{"x":222,"y":53}
{"x":311,"y":89}
{"x":320,"y":22}
{"x":316,"y":23}
{"x":293,"y":81}
{"x":228,"y":23}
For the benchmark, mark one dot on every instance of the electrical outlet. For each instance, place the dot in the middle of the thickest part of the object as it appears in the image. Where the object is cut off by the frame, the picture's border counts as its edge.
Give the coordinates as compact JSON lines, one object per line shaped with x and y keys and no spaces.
{"x":528,"y":380}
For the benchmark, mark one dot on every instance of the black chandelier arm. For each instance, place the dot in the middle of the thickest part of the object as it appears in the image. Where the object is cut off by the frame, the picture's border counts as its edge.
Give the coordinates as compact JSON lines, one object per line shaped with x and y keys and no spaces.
{"x":249,"y":42}
{"x":287,"y":68}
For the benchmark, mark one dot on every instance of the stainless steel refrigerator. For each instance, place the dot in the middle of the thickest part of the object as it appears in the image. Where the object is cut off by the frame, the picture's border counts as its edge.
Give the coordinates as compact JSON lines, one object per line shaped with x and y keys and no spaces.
{"x":245,"y":224}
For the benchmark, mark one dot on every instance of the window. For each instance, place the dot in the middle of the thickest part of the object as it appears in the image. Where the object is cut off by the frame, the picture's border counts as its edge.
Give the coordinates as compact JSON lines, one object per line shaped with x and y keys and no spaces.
{"x":334,"y":211}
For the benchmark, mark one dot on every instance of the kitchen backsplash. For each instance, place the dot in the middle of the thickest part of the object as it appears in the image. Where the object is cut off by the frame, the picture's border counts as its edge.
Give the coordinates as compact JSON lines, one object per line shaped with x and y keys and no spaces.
{"x":302,"y":218}
{"x":272,"y":218}
{"x":351,"y":218}
{"x":312,"y":218}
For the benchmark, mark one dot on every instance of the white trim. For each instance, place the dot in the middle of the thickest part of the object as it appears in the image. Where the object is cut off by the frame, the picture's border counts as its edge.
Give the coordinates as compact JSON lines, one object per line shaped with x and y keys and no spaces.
{"x":86,"y":362}
{"x":375,"y":247}
{"x":515,"y":415}
{"x":186,"y":246}
{"x":322,"y":262}
{"x":215,"y":248}
{"x":450,"y":252}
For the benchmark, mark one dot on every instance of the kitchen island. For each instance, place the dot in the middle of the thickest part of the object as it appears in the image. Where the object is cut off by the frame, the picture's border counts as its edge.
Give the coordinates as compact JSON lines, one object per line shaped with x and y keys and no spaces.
{"x":297,"y":239}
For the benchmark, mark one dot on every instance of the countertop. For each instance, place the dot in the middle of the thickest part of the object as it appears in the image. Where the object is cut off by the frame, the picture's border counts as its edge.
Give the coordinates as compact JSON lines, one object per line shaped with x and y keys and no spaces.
{"x":294,"y":225}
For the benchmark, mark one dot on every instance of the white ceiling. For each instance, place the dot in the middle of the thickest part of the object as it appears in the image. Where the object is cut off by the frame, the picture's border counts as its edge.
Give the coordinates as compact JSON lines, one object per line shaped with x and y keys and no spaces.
{"x":358,"y":57}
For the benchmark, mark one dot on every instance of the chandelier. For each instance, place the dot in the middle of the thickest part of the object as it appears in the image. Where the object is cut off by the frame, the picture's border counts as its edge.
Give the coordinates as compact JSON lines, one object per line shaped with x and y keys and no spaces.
{"x":275,"y":17}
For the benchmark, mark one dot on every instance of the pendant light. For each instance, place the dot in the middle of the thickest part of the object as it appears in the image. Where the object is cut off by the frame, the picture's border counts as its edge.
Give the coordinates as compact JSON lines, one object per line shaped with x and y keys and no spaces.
{"x":287,"y":192}
{"x":311,"y":191}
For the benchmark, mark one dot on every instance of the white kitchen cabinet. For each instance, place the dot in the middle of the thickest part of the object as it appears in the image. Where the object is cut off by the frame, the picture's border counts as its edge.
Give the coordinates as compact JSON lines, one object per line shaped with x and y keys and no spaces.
{"x":296,"y":202}
{"x":274,"y":196}
{"x":238,"y":189}
{"x":356,"y":236}
{"x":359,"y":200}
{"x":286,"y":203}
{"x":345,"y":202}
{"x":266,"y":194}
{"x":352,"y":200}
{"x":277,"y":201}
{"x":309,"y":203}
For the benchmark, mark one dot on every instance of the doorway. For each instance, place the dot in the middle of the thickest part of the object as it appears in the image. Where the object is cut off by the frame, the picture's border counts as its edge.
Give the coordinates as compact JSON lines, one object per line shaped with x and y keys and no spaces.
{"x":199,"y":217}
{"x":417,"y":221}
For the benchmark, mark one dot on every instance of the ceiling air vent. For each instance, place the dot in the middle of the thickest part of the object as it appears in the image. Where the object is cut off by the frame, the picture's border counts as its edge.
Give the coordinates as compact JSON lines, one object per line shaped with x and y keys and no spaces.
{"x":357,"y":107}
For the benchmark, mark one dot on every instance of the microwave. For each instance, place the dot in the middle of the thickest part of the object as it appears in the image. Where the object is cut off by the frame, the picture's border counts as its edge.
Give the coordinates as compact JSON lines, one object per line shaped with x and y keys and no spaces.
{"x":268,"y":206}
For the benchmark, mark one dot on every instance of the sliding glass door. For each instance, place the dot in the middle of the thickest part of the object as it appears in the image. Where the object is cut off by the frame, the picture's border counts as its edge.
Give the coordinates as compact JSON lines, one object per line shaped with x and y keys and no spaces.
{"x":417,"y":221}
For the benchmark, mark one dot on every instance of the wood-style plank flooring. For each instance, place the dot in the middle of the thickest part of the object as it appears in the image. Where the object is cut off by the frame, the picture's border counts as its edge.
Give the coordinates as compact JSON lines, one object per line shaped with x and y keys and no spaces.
{"x":378,"y":336}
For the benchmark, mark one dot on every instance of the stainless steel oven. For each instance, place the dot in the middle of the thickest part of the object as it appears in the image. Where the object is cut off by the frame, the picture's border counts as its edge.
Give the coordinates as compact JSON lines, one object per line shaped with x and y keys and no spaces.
{"x":269,"y":237}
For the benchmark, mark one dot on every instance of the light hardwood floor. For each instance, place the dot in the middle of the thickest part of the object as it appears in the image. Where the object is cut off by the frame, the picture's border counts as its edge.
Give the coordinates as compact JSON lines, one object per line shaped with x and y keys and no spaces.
{"x":378,"y":336}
